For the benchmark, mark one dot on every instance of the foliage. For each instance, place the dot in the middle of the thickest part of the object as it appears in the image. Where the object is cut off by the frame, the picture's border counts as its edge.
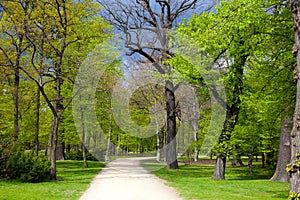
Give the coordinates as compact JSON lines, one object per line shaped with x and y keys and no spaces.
{"x":46,"y":42}
{"x":27,"y":167}
{"x":77,"y":155}
{"x":73,"y":180}
{"x":253,"y":37}
{"x":294,"y":167}
{"x":294,"y":196}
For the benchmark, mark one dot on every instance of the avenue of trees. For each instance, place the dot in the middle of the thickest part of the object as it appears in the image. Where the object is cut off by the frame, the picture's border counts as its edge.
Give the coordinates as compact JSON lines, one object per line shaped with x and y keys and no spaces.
{"x":240,"y":56}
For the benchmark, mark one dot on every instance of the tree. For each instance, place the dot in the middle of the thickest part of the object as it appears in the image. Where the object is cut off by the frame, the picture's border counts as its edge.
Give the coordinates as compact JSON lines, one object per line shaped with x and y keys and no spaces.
{"x":53,"y":31}
{"x":145,"y":25}
{"x":284,"y":153}
{"x":295,"y":134}
{"x":13,"y":47}
{"x":233,"y":38}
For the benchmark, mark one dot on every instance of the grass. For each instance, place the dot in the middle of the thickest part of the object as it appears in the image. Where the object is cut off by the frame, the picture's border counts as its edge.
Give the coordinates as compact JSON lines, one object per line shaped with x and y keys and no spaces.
{"x":194,"y":182}
{"x":73,"y":180}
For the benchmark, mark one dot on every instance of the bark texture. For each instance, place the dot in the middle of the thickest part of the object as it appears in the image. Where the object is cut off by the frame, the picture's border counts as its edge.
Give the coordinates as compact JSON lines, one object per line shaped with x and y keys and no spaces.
{"x":171,"y":126}
{"x":16,"y":101}
{"x":37,"y":121}
{"x":219,"y":173}
{"x":295,"y":134}
{"x":284,"y":154}
{"x":53,"y":145}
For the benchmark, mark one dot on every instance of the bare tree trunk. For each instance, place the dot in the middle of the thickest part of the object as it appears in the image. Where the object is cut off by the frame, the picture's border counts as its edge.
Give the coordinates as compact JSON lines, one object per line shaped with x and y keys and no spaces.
{"x":83,"y":141}
{"x":158,"y":145}
{"x":236,"y":161}
{"x":38,"y":98}
{"x":250,"y":165}
{"x":196,"y":138}
{"x":171,"y":126}
{"x":141,"y":146}
{"x":117,"y":145}
{"x":37,"y":121}
{"x":284,"y":153}
{"x":16,"y":102}
{"x":219,"y":172}
{"x":163,"y":146}
{"x":53,"y":145}
{"x":196,"y":128}
{"x":60,"y":150}
{"x":85,"y":163}
{"x":179,"y":135}
{"x":295,"y":134}
{"x":107,"y":155}
{"x":263,"y":160}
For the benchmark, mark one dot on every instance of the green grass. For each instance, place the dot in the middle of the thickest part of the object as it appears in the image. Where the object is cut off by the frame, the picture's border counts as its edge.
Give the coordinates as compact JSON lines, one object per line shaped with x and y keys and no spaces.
{"x":194,"y":182}
{"x":73,"y":180}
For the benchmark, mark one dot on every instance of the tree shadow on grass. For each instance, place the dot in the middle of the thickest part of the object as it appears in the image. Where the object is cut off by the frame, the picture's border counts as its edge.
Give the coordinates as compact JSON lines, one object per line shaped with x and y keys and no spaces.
{"x":202,"y":171}
{"x":73,"y":171}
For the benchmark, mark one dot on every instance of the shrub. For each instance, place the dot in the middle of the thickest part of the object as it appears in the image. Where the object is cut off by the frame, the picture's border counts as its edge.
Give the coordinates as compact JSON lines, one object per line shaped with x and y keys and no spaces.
{"x":77,"y":155}
{"x":27,"y":167}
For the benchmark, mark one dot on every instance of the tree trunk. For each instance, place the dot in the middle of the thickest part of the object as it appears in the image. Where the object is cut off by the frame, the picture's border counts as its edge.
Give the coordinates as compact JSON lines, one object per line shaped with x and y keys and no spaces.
{"x":269,"y":158}
{"x":107,"y":155}
{"x":232,"y":112}
{"x":295,"y":134}
{"x":68,"y":149}
{"x":16,"y":102}
{"x":250,"y":165}
{"x":196,"y":136}
{"x":53,"y":145}
{"x":83,"y":139}
{"x":284,"y":153}
{"x":158,"y":147}
{"x":263,"y":160}
{"x":107,"y":159}
{"x":163,"y":146}
{"x":219,"y":173}
{"x":236,"y":161}
{"x":171,"y":126}
{"x":231,"y":119}
{"x":60,"y":151}
{"x":37,"y":121}
{"x":141,"y":146}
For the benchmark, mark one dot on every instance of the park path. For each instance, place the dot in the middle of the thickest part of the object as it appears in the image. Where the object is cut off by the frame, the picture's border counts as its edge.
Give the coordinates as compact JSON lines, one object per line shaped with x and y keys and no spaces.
{"x":126,"y":179}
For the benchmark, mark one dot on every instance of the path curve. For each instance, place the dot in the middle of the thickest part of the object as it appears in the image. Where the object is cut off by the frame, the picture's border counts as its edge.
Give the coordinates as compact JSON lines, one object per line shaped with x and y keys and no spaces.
{"x":126,"y":179}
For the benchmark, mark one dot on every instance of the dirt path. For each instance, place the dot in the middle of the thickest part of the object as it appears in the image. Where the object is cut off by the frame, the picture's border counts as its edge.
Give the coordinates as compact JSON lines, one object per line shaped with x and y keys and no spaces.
{"x":125,"y":179}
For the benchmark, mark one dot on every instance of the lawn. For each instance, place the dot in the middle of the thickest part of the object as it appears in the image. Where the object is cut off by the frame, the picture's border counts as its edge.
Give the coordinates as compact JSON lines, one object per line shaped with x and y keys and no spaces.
{"x":194,"y":182}
{"x":73,"y":180}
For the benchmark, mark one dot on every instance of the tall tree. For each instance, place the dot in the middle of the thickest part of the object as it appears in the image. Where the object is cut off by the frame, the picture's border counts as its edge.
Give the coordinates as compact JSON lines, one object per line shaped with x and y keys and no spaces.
{"x":295,"y":134}
{"x":146,"y":25}
{"x":62,"y":29}
{"x":13,"y":46}
{"x":233,"y":38}
{"x":284,"y":153}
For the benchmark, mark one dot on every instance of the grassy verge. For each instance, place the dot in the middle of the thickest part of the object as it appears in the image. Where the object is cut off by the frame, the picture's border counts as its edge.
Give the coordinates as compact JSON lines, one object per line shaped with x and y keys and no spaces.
{"x":194,"y":182}
{"x":73,"y":180}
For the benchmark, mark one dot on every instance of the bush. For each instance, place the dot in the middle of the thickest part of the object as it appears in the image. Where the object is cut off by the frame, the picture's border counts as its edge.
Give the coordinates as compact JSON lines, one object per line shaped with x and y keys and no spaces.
{"x":27,"y":167}
{"x":77,"y":155}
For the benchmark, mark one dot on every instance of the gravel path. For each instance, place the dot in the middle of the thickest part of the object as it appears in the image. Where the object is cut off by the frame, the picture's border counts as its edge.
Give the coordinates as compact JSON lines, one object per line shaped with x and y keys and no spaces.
{"x":125,"y":179}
